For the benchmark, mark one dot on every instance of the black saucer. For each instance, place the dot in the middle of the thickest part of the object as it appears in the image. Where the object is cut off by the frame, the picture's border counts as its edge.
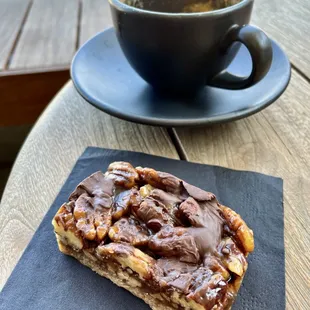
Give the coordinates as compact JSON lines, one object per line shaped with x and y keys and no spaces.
{"x":102,"y":75}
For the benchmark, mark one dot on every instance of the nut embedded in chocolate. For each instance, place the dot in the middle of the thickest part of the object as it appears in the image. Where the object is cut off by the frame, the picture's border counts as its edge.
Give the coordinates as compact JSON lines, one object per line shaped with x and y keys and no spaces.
{"x":93,"y":217}
{"x":153,"y":213}
{"x":175,"y":242}
{"x":166,"y":241}
{"x":123,"y":201}
{"x":129,"y":230}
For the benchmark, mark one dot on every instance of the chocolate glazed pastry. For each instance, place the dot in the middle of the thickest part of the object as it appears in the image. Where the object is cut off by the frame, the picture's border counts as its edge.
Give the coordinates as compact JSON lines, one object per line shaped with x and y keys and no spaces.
{"x":166,"y":241}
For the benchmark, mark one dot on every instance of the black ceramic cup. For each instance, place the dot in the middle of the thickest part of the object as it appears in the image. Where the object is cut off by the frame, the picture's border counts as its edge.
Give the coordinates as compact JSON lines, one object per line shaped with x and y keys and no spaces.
{"x":182,"y":52}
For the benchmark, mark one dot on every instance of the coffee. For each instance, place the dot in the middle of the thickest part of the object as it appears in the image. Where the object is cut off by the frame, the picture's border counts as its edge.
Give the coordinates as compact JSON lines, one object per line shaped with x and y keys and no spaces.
{"x":208,"y":5}
{"x":181,"y":6}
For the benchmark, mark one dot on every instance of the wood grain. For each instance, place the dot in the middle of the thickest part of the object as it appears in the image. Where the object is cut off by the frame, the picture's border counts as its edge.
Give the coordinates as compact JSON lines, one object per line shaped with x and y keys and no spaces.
{"x":287,"y":22}
{"x":49,"y":35}
{"x":12,"y":13}
{"x":95,"y":17}
{"x":36,"y":88}
{"x":275,"y":141}
{"x":65,"y":129}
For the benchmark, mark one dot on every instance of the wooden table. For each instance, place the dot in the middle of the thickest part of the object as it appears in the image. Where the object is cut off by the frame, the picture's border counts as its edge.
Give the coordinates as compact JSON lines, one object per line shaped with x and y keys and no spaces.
{"x":275,"y":141}
{"x":38,"y":39}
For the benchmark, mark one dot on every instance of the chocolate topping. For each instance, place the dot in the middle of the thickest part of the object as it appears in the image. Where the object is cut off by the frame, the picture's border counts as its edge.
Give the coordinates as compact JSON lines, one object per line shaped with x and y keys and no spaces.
{"x":129,"y":230}
{"x":171,"y":203}
{"x":215,"y":264}
{"x":205,"y":217}
{"x":187,"y":241}
{"x":95,"y":185}
{"x":169,"y":200}
{"x":207,"y":288}
{"x":198,"y":193}
{"x":123,"y":201}
{"x":190,"y":213}
{"x":175,"y":242}
{"x":175,"y":273}
{"x":170,"y":183}
{"x":199,"y":283}
{"x":153,"y":213}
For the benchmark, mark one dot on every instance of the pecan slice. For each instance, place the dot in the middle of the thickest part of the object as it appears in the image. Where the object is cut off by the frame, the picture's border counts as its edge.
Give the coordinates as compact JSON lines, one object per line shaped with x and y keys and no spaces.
{"x":129,"y":256}
{"x":123,"y":174}
{"x":123,"y":201}
{"x":243,"y":233}
{"x":93,"y":217}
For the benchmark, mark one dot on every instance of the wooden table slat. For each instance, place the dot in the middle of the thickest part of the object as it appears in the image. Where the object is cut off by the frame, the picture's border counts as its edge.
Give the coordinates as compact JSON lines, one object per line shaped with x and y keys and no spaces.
{"x":49,"y":35}
{"x":95,"y":17}
{"x":12,"y":13}
{"x":275,"y":141}
{"x":287,"y":22}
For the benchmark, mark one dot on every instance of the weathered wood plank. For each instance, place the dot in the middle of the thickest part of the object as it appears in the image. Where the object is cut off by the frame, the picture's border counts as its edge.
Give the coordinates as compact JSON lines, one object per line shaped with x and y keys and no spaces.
{"x":12,"y":13}
{"x":49,"y":35}
{"x":95,"y":17}
{"x":275,"y":141}
{"x":36,"y":88}
{"x":65,"y":129}
{"x":287,"y":22}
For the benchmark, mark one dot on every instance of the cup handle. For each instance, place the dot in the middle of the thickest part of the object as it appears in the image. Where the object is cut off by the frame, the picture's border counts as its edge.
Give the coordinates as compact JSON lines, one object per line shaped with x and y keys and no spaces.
{"x":260,"y":48}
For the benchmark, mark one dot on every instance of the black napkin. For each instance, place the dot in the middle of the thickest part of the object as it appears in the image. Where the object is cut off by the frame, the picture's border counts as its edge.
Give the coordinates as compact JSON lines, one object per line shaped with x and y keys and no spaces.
{"x":46,"y":279}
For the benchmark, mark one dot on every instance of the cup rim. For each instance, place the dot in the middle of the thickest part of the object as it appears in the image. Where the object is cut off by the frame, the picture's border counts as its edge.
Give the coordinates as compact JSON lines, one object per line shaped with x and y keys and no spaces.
{"x":131,"y":9}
